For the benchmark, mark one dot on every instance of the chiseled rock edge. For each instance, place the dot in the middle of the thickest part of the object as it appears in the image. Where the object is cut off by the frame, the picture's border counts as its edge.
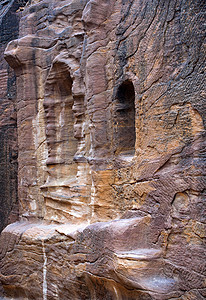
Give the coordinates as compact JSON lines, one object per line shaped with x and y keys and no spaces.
{"x":164,"y":178}
{"x":127,"y":264}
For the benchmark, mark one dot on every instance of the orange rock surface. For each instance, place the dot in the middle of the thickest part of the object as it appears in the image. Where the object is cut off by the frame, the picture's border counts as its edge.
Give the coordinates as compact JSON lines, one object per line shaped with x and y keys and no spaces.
{"x":111,"y":152}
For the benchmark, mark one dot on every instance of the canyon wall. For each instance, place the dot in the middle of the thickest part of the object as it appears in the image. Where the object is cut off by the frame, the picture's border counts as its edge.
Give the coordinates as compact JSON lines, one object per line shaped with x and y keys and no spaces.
{"x":110,"y":101}
{"x":9,"y":30}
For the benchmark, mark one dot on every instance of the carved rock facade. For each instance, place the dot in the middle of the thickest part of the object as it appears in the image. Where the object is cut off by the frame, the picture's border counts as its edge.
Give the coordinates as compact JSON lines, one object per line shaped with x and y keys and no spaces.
{"x":9,"y":30}
{"x":111,"y":138}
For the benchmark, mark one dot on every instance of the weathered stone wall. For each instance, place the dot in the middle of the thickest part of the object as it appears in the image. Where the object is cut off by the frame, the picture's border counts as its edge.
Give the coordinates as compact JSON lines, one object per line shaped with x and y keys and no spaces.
{"x":9,"y":30}
{"x":111,"y":137}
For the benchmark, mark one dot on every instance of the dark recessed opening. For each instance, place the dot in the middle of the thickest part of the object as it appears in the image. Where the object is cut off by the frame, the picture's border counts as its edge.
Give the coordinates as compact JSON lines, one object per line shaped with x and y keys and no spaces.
{"x":124,"y":119}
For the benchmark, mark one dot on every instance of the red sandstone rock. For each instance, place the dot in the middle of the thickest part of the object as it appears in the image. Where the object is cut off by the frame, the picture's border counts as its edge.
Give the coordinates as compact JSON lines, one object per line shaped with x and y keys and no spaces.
{"x":111,"y":137}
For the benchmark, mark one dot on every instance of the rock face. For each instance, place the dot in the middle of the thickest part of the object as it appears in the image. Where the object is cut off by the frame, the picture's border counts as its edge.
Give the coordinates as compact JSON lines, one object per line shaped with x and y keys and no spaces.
{"x":111,"y":152}
{"x":9,"y":30}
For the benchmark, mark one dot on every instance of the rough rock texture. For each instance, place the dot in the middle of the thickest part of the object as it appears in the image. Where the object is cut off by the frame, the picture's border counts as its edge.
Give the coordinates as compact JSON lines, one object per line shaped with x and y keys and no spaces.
{"x":9,"y":30}
{"x":111,"y":137}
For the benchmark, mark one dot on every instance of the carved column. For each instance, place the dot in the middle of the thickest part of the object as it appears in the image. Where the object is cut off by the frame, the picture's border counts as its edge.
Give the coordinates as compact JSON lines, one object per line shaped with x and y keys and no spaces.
{"x":25,"y":57}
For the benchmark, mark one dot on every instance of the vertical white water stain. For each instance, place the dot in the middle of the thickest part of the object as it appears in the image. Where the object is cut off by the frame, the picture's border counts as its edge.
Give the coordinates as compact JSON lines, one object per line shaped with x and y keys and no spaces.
{"x":44,"y":273}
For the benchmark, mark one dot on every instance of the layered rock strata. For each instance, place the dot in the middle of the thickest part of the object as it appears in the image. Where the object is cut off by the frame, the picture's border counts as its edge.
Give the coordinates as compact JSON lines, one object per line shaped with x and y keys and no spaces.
{"x":111,"y":138}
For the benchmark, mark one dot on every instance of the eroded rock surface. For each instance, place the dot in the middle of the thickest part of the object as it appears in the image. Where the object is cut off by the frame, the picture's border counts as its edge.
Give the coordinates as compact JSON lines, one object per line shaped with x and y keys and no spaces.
{"x":111,"y":138}
{"x":9,"y":30}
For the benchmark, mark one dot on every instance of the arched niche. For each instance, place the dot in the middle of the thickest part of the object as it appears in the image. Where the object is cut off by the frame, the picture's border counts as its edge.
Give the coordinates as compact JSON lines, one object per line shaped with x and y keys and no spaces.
{"x":58,"y":102}
{"x":124,"y":119}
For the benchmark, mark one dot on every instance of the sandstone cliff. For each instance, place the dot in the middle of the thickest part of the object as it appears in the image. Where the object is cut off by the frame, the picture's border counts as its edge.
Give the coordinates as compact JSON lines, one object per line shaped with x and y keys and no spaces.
{"x":110,"y":99}
{"x":9,"y":30}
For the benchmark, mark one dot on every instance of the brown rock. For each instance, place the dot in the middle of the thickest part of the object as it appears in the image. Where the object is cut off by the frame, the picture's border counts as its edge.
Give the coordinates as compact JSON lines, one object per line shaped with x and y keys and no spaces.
{"x":111,"y":139}
{"x":9,"y":30}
